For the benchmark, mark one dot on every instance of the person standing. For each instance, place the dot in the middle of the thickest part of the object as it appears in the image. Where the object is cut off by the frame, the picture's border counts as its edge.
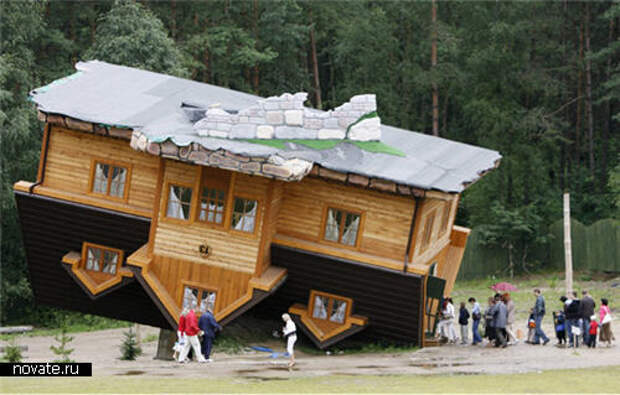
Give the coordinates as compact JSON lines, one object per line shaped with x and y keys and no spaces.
{"x":489,"y":330}
{"x":191,"y":337}
{"x":450,"y":314}
{"x":180,"y":343}
{"x":592,"y":332}
{"x":463,"y":322}
{"x":290,"y":334}
{"x":539,"y":314}
{"x":573,"y":318}
{"x":606,"y":335}
{"x":499,"y":321}
{"x":586,"y":307}
{"x":208,"y":325}
{"x":476,"y":315}
{"x":510,"y":318}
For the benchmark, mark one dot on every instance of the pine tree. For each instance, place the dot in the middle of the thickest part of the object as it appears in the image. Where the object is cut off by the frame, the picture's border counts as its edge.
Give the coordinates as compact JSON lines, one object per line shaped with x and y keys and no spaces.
{"x":130,"y":349}
{"x":61,"y":350}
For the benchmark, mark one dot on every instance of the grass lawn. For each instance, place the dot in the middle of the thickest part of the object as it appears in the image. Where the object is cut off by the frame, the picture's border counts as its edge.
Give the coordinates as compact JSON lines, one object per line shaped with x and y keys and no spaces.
{"x":551,"y":284}
{"x":606,"y":380}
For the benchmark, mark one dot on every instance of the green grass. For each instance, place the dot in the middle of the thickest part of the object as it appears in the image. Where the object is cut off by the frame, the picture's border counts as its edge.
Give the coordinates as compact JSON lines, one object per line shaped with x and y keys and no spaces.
{"x":598,"y":380}
{"x":102,"y":323}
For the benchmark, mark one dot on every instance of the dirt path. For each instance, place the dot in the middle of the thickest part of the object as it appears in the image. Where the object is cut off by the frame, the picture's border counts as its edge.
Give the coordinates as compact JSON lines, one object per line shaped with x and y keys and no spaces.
{"x":102,"y":349}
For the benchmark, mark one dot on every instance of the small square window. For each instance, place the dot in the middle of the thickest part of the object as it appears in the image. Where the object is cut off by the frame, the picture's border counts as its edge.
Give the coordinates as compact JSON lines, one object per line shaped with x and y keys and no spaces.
{"x":101,"y":259}
{"x":212,"y":203}
{"x":198,"y":298}
{"x":328,"y":307}
{"x":244,"y":215}
{"x":342,"y":227}
{"x":109,"y":179}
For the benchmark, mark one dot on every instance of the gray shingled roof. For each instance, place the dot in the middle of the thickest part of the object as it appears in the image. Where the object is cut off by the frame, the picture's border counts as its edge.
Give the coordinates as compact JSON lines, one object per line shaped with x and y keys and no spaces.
{"x":151,"y":103}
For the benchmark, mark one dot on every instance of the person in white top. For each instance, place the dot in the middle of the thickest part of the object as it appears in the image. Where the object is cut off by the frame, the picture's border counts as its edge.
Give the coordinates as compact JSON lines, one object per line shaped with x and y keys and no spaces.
{"x":446,"y":325}
{"x":290,"y":333}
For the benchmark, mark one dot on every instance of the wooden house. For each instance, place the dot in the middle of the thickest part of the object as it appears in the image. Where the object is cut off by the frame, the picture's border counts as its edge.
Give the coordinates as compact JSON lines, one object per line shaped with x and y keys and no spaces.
{"x":154,"y":193}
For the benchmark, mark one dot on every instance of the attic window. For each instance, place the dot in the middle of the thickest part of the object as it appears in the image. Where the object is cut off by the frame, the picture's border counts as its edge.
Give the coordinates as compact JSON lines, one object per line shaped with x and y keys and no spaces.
{"x":101,"y":259}
{"x":329,"y":307}
{"x":341,"y":226}
{"x":198,"y":297}
{"x":244,"y":215}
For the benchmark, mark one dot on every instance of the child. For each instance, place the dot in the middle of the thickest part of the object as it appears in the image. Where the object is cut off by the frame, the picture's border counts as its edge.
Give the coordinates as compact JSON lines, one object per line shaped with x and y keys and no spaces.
{"x":560,"y":326}
{"x":593,"y":329}
{"x":531,"y":327}
{"x":178,"y":346}
{"x":463,"y":320}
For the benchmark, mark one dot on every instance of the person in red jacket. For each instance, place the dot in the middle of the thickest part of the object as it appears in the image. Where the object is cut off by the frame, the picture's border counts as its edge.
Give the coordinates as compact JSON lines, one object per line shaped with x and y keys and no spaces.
{"x":191,"y":331}
{"x":592,"y":332}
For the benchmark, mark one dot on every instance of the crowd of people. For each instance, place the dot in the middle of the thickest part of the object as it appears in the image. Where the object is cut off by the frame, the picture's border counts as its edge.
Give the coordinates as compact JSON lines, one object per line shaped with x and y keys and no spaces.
{"x":575,"y":323}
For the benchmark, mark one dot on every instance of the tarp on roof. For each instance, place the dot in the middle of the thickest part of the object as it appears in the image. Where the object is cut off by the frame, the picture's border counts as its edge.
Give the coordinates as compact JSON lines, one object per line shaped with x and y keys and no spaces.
{"x":149,"y":102}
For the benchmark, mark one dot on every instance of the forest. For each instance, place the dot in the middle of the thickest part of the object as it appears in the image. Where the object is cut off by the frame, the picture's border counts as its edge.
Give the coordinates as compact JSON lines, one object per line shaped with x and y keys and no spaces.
{"x":537,"y":81}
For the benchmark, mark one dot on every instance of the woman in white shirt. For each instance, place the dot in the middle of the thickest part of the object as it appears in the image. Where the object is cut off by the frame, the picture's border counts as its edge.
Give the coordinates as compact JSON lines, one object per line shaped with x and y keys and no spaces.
{"x":290,"y":333}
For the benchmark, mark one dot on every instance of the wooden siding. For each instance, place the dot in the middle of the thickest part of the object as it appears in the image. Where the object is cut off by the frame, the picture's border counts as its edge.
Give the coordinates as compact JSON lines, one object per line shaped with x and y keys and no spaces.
{"x":386,"y":217}
{"x":232,"y":250}
{"x":390,"y":299}
{"x":51,"y":228}
{"x":69,"y":165}
{"x":173,"y":273}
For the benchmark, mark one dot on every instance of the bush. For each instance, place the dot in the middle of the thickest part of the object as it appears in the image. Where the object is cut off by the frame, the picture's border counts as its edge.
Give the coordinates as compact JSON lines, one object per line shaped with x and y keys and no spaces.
{"x":130,"y":349}
{"x":13,"y":352}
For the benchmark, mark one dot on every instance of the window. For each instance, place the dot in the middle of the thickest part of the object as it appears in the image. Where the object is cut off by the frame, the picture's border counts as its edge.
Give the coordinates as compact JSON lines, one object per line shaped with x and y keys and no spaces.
{"x":214,"y":188}
{"x":341,"y":226}
{"x":330,"y":307}
{"x":427,"y":232}
{"x":198,"y":298}
{"x":179,"y":202}
{"x":244,"y":215}
{"x":445,"y":219}
{"x":110,"y":179}
{"x":101,"y":259}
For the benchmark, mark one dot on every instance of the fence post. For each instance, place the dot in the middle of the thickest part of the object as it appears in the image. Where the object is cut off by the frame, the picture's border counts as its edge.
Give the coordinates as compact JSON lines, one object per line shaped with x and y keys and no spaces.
{"x":568,"y":254}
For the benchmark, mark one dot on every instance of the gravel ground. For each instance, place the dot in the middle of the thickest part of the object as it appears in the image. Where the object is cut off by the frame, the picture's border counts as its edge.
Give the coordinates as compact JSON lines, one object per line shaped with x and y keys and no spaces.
{"x":102,"y":349}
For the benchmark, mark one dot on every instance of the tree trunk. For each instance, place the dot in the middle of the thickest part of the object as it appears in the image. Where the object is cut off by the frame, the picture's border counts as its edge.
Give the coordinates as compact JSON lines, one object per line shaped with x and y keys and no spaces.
{"x":173,"y":19}
{"x":511,"y":265}
{"x":255,"y":69}
{"x":579,"y":100}
{"x":433,"y":66}
{"x":165,"y":343}
{"x":315,"y":65}
{"x":608,"y":120}
{"x":568,"y":253}
{"x":589,"y":93}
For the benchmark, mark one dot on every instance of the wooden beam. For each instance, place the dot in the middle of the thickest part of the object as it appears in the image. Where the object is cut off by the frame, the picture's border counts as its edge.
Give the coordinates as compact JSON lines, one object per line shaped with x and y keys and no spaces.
{"x":156,"y":206}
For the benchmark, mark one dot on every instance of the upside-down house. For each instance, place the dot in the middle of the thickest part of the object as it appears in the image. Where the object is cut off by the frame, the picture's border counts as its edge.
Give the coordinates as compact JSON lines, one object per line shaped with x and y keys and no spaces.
{"x":154,"y":192}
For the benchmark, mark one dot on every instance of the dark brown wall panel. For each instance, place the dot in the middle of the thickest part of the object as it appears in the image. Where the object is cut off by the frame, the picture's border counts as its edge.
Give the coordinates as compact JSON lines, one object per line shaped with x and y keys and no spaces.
{"x":53,"y":227}
{"x":390,"y":299}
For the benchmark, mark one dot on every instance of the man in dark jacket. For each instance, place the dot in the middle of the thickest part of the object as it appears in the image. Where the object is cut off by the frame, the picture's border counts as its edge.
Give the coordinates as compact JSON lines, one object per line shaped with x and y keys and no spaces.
{"x":208,"y":326}
{"x":500,"y":315}
{"x":573,"y":319}
{"x":539,"y":313}
{"x":586,"y":306}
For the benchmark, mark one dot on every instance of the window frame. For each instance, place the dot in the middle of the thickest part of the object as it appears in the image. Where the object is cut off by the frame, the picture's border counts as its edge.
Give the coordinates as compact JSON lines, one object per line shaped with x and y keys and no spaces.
{"x":201,"y":287}
{"x":86,"y":245}
{"x":257,"y":219}
{"x":112,"y":164}
{"x":228,"y":190}
{"x":345,"y":210}
{"x":314,"y":293}
{"x":191,"y":212}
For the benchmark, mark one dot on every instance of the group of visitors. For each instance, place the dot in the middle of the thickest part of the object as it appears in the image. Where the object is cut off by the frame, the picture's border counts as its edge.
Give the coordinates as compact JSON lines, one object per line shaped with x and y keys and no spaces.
{"x":576,"y":321}
{"x":190,"y":329}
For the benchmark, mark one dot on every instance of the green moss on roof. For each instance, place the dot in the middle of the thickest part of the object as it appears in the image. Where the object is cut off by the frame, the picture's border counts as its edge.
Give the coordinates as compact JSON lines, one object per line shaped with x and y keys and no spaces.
{"x":369,"y":146}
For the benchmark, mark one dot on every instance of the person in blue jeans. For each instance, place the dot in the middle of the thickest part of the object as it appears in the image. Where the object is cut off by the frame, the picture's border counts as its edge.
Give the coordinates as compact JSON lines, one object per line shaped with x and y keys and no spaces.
{"x":539,"y":314}
{"x":476,"y":316}
{"x":573,"y":318}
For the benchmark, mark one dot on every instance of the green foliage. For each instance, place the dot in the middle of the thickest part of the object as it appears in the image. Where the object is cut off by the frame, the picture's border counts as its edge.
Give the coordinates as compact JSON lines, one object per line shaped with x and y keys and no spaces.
{"x":130,"y":349}
{"x":61,"y":349}
{"x":131,"y":35}
{"x":12,"y":351}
